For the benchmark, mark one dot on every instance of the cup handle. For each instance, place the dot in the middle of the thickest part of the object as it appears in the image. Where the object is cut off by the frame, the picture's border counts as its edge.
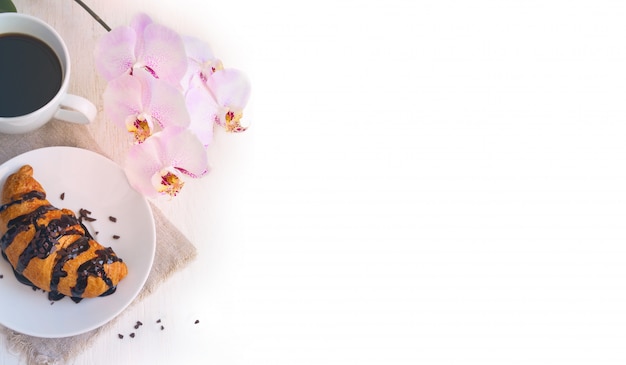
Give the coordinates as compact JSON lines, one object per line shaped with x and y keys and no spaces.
{"x":76,"y":109}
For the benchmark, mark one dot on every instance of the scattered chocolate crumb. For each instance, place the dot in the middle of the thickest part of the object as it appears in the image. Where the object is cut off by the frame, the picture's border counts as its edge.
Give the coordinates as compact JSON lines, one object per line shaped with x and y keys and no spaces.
{"x":132,"y":335}
{"x":116,"y":237}
{"x":162,"y":328}
{"x":139,"y":323}
{"x":97,"y":232}
{"x":85,"y":214}
{"x":51,"y":303}
{"x":112,"y":219}
{"x":1,"y":276}
{"x":136,"y":326}
{"x":120,"y":336}
{"x":62,"y":196}
{"x":159,"y":320}
{"x":197,"y":321}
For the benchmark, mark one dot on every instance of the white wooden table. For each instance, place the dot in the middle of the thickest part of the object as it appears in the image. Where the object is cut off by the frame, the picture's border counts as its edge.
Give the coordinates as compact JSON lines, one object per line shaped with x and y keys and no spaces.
{"x":191,"y":294}
{"x":424,"y":182}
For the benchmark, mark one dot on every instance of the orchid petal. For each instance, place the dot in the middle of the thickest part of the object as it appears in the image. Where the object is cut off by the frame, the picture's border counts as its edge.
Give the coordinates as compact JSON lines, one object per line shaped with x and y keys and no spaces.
{"x":197,"y":50}
{"x":185,"y":152}
{"x":141,"y":164}
{"x":167,"y":104}
{"x":115,"y":52}
{"x":202,"y":111}
{"x":230,"y":87}
{"x":123,"y":98}
{"x":145,"y":80}
{"x":163,"y":53}
{"x":139,"y":24}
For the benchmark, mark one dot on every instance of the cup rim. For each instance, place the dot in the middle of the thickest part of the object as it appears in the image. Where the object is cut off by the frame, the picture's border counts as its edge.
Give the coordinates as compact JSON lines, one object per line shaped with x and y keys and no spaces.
{"x":66,"y":65}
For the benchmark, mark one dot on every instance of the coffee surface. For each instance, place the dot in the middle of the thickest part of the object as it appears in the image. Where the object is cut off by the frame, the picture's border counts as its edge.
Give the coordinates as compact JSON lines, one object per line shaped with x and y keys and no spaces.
{"x":30,"y":74}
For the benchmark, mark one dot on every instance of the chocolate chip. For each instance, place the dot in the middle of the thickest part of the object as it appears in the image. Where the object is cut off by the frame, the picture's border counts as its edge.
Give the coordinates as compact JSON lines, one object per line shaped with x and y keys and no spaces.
{"x":120,"y":336}
{"x":112,"y":219}
{"x":62,"y":196}
{"x":116,"y":237}
{"x":132,"y":335}
{"x":1,"y":276}
{"x":159,"y":320}
{"x":197,"y":321}
{"x":162,"y":328}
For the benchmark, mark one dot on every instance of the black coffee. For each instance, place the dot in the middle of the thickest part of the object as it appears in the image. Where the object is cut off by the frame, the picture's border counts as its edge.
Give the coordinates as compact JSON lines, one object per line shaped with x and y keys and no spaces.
{"x":30,"y":74}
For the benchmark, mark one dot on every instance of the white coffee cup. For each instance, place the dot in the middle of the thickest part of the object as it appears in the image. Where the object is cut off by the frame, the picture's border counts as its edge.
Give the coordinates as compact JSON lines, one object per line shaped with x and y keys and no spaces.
{"x":61,"y":106}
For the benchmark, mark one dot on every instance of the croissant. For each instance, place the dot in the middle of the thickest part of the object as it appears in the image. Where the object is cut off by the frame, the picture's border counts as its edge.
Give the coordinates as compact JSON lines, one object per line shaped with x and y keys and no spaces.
{"x":49,"y":248}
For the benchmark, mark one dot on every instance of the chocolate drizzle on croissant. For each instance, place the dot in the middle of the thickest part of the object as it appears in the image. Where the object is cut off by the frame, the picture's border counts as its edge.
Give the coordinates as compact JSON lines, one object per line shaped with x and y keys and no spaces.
{"x":49,"y":248}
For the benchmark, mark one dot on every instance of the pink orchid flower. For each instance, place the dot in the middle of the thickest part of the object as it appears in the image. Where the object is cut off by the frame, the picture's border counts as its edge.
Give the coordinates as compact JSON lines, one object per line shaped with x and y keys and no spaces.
{"x":214,"y":94}
{"x":158,"y":166}
{"x":201,"y":63}
{"x":220,"y":100}
{"x":169,"y":92}
{"x":230,"y":89}
{"x":140,"y":103}
{"x":142,"y":45}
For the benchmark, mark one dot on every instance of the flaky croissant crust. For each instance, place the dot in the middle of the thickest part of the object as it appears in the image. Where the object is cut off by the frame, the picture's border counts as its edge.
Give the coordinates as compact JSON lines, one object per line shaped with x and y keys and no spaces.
{"x":50,"y":247}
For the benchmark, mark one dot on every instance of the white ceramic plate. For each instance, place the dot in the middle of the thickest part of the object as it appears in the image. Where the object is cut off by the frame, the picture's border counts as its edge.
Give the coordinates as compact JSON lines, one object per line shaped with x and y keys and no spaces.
{"x":95,"y":183}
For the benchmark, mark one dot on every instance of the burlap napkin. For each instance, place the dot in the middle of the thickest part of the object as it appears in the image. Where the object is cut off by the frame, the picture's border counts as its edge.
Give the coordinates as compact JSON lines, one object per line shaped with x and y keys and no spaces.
{"x":173,"y":250}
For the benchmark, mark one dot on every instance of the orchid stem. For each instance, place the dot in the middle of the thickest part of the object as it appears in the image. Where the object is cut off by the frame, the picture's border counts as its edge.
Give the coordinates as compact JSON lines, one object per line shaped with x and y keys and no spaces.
{"x":94,"y":15}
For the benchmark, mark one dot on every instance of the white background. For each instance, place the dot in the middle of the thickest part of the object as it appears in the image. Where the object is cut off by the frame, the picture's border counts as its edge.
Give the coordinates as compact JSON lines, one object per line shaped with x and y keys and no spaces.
{"x":424,"y":182}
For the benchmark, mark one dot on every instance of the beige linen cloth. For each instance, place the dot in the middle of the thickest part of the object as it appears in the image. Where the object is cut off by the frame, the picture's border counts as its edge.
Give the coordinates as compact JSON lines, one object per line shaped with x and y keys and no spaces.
{"x":173,"y":250}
